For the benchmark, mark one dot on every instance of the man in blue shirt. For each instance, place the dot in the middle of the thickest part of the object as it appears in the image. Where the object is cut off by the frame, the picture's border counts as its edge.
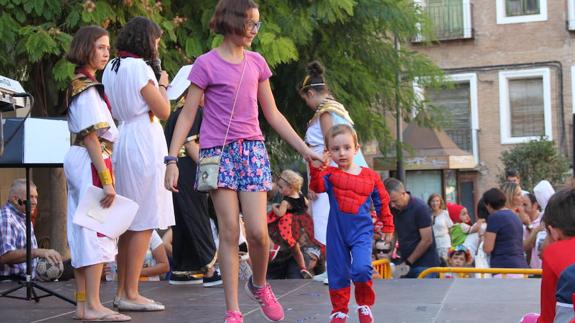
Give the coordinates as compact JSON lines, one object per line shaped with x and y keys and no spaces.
{"x":412,"y":218}
{"x":13,"y":234}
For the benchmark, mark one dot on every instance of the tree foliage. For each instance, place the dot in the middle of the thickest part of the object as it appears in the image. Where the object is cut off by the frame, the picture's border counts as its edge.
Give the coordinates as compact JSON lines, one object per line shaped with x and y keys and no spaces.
{"x":535,"y":161}
{"x":354,"y":39}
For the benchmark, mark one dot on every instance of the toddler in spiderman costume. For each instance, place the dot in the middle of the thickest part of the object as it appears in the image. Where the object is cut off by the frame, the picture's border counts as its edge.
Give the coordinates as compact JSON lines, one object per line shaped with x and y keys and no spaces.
{"x":352,"y":190}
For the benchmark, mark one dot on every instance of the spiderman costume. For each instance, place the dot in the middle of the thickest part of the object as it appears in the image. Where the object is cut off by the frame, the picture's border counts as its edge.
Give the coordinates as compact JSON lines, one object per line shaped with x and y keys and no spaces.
{"x":350,"y":230}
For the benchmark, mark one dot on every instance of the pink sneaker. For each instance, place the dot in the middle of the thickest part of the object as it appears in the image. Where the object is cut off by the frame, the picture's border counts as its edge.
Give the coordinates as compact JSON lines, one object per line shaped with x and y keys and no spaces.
{"x":233,"y":317}
{"x":269,"y":305}
{"x":364,"y":314}
{"x":338,"y":317}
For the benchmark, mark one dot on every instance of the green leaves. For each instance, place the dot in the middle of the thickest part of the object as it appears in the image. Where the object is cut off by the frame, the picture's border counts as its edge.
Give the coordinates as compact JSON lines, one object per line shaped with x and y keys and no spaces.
{"x":352,"y":38}
{"x":276,"y":49}
{"x":535,"y":161}
{"x":38,"y":43}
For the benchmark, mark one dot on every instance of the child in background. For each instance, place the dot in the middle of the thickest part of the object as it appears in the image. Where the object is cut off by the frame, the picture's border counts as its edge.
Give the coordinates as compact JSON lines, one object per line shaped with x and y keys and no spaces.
{"x":293,"y":203}
{"x":352,"y":190}
{"x":458,"y":257}
{"x":155,"y":262}
{"x":463,"y":227}
{"x":558,"y":260}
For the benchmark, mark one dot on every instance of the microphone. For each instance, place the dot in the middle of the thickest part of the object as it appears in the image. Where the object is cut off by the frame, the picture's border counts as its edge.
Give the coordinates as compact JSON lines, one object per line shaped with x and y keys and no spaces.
{"x":156,"y":65}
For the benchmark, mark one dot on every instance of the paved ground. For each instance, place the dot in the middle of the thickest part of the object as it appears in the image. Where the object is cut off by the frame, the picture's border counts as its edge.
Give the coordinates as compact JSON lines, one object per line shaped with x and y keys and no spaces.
{"x":426,"y":300}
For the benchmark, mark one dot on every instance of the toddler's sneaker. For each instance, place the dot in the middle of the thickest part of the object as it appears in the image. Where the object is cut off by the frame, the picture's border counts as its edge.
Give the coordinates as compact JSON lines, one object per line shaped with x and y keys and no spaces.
{"x":233,"y":317}
{"x":269,"y":305}
{"x":364,"y":314}
{"x":338,"y":317}
{"x":320,"y":277}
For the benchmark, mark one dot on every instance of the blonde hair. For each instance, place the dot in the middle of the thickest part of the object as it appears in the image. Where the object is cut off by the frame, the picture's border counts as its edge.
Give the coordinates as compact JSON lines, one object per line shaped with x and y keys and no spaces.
{"x":509,"y":189}
{"x":338,"y":130}
{"x":293,"y":179}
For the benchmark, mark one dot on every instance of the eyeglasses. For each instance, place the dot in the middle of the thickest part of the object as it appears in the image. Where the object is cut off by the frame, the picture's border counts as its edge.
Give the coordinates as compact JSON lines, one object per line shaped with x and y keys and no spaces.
{"x":253,"y":26}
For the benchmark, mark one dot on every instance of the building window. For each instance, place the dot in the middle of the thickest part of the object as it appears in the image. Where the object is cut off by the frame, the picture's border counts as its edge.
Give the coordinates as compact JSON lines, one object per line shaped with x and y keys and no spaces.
{"x":521,"y":8}
{"x":451,"y":19}
{"x":520,"y":11}
{"x":525,"y":105}
{"x":461,"y":103}
{"x":456,"y":101}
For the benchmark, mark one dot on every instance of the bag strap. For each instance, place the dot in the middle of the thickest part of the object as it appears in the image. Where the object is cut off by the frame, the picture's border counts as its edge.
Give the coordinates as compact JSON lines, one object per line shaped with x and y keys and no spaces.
{"x":235,"y":100}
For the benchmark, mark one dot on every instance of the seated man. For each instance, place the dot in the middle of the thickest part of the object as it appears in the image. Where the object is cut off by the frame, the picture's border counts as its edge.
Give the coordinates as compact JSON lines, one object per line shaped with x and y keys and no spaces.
{"x":13,"y":234}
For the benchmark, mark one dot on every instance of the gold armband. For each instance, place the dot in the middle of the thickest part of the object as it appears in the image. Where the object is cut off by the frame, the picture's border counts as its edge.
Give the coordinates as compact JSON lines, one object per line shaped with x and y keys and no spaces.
{"x":105,"y":177}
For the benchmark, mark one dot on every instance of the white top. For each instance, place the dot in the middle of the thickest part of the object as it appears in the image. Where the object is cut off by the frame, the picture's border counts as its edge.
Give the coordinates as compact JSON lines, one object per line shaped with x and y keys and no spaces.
{"x":149,"y":261}
{"x":314,"y":138}
{"x":441,"y":226}
{"x":123,"y":89}
{"x":79,"y":119}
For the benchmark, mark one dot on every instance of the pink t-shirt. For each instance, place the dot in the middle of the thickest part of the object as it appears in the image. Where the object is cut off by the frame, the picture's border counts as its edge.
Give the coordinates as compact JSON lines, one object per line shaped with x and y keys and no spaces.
{"x":219,"y":80}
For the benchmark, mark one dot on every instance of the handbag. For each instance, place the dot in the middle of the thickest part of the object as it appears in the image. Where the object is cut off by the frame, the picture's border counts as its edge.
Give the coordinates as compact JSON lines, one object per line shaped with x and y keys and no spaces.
{"x":209,"y":167}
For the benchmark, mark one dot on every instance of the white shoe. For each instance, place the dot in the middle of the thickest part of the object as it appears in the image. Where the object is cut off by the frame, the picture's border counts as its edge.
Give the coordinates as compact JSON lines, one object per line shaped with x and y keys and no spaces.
{"x":321,"y":277}
{"x":326,"y":281}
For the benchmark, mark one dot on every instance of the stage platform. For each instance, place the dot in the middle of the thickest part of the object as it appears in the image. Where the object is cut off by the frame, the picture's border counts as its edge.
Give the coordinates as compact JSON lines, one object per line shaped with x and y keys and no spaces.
{"x":304,"y":301}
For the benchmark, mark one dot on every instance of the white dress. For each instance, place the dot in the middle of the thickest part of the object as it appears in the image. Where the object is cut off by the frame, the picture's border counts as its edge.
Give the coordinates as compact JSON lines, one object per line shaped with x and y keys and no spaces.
{"x":139,"y":152}
{"x":320,"y":206}
{"x":86,"y":111}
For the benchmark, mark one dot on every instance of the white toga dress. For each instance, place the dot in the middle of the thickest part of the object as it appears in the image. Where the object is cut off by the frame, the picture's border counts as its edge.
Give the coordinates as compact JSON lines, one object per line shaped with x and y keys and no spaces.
{"x":139,"y":152}
{"x":87,"y":112}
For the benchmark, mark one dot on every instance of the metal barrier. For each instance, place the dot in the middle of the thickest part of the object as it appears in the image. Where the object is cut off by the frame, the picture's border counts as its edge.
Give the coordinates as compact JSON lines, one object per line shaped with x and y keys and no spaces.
{"x":465,"y":272}
{"x":383,"y":267}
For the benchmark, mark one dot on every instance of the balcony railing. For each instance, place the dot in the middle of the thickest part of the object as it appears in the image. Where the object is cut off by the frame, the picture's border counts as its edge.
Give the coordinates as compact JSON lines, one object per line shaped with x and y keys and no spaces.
{"x":451,"y":19}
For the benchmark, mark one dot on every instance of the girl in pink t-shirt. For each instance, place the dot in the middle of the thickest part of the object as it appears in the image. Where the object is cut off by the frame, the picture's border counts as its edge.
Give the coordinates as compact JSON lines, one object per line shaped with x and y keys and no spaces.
{"x":220,"y":75}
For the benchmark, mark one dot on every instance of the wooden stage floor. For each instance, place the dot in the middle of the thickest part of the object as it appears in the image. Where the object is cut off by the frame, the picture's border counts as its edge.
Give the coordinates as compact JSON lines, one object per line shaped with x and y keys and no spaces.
{"x":417,"y":301}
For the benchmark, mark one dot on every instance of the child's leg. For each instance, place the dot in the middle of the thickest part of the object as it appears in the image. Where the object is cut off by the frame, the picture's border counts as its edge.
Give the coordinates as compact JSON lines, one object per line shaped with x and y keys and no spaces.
{"x":227,"y":209}
{"x":80,"y":279}
{"x":339,"y":259}
{"x":121,"y":261}
{"x":254,"y":212}
{"x":361,"y":271}
{"x":137,"y":245}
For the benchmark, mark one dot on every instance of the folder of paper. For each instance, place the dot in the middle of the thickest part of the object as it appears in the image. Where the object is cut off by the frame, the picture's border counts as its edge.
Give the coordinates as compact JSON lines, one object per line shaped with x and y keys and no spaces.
{"x":112,"y":221}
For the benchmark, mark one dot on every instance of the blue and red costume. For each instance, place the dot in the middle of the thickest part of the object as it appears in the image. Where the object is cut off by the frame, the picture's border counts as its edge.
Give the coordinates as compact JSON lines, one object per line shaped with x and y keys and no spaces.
{"x":350,"y":230}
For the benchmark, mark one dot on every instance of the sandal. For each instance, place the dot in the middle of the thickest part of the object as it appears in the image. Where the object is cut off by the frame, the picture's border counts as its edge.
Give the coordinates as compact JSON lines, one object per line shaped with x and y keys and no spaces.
{"x":111,"y":317}
{"x":80,"y":298}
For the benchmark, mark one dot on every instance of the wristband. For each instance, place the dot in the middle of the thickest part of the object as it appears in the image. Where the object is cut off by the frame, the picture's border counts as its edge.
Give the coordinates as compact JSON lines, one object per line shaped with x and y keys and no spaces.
{"x":164,"y":86}
{"x":105,"y":177}
{"x":170,"y":158}
{"x":171,"y":162}
{"x":191,"y":138}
